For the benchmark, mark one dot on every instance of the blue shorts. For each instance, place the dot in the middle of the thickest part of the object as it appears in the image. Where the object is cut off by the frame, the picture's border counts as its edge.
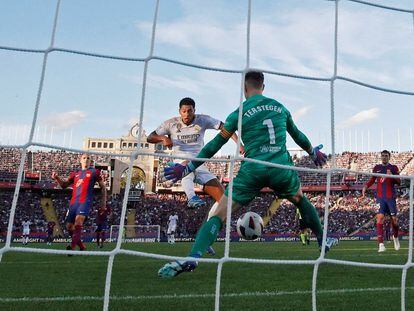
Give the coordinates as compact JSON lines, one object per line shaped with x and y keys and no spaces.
{"x":76,"y":209}
{"x":101,"y":227}
{"x":387,"y":206}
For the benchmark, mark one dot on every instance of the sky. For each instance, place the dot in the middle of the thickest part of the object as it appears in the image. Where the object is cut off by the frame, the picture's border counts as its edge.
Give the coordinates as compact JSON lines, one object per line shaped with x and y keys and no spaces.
{"x":84,"y":96}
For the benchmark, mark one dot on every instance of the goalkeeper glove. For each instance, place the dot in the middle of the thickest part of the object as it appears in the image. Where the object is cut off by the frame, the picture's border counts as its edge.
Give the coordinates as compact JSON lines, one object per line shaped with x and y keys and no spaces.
{"x":176,"y":171}
{"x":318,"y":157}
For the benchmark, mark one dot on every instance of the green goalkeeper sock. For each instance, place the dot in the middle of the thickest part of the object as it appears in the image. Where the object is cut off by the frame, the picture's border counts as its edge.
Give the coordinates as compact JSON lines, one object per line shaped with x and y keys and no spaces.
{"x":303,"y":238}
{"x":206,"y":236}
{"x":310,"y":217}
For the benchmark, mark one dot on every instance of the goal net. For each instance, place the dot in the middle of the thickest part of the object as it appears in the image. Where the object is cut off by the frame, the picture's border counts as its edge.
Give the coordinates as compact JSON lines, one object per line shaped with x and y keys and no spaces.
{"x":132,"y":233}
{"x":135,"y":233}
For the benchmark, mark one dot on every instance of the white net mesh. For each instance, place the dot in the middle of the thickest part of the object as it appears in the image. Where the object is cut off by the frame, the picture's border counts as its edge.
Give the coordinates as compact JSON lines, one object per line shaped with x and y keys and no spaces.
{"x":139,"y":151}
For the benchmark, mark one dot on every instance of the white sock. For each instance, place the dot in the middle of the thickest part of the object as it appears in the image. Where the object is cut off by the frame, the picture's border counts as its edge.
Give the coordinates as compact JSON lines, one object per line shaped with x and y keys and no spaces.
{"x":188,"y":185}
{"x":212,"y":210}
{"x":172,"y":238}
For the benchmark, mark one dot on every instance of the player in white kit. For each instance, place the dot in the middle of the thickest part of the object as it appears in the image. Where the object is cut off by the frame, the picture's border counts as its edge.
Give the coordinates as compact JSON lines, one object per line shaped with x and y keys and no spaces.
{"x":26,"y":231}
{"x":172,"y":226}
{"x":185,"y":134}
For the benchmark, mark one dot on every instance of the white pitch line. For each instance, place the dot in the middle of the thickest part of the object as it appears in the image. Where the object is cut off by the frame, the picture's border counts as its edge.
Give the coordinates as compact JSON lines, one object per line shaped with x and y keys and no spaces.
{"x":365,"y":249}
{"x":296,"y":257}
{"x":196,"y":296}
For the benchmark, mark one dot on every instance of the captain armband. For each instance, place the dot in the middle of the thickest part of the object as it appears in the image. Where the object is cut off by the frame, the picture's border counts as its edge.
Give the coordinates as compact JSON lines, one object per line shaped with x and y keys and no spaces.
{"x":225,"y":133}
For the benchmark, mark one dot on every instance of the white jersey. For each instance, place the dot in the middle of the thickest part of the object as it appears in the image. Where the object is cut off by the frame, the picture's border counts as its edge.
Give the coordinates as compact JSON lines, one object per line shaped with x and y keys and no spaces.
{"x":172,"y":224}
{"x":26,"y":226}
{"x":172,"y":221}
{"x":188,"y":139}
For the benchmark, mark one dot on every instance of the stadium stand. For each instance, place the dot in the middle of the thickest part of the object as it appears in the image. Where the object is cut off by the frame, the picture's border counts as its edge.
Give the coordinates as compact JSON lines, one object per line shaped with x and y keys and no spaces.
{"x":64,"y":162}
{"x":348,"y":212}
{"x":347,"y":160}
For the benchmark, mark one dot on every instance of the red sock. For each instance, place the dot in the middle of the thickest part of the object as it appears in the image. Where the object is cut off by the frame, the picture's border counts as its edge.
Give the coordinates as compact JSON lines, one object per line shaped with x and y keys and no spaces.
{"x":82,"y":246}
{"x":395,"y":230}
{"x":380,"y":233}
{"x":76,"y":238}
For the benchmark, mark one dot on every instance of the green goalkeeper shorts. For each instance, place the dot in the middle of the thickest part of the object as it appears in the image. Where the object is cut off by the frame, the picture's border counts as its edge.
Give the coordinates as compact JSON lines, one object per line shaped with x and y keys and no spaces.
{"x":253,"y":177}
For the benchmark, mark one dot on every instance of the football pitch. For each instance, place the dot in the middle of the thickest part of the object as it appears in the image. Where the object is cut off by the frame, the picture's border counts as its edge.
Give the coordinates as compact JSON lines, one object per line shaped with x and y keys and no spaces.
{"x":30,"y":281}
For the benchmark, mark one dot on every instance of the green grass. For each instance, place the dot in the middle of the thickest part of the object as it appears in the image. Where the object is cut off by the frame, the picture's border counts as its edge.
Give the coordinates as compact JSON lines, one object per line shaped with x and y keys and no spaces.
{"x":244,"y":286}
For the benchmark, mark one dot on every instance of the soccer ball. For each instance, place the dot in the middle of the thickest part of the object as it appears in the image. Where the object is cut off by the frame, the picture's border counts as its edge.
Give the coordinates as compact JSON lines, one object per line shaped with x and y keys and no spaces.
{"x":250,"y":226}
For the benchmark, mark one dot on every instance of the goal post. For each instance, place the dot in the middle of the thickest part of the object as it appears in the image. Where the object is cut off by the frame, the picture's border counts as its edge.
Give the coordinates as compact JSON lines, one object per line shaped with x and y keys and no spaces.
{"x":136,"y":233}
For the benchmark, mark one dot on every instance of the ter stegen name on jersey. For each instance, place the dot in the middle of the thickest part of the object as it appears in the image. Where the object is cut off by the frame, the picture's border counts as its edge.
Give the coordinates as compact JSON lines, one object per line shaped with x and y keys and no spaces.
{"x":265,"y":123}
{"x":261,"y":108}
{"x":265,"y":148}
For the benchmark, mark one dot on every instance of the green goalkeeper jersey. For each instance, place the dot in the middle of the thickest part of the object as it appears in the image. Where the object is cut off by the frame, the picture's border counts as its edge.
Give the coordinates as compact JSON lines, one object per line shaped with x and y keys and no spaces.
{"x":265,"y":122}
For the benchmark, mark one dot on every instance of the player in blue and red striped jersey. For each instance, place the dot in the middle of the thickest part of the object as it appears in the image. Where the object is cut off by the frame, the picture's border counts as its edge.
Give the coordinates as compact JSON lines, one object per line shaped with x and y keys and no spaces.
{"x":386,"y":195}
{"x":83,"y":182}
{"x":102,"y":225}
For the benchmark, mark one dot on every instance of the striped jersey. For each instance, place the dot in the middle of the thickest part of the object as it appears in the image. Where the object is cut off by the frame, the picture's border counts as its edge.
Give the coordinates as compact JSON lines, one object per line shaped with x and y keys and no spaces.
{"x":385,"y":186}
{"x":83,"y":182}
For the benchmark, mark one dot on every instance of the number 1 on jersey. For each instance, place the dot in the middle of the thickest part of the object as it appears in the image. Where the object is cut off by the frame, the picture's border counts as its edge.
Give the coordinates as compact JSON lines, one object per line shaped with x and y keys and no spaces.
{"x":272,"y":136}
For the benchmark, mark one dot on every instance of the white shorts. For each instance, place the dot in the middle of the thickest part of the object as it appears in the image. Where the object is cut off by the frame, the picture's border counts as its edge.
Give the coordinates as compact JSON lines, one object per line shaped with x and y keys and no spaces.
{"x":171,"y":229}
{"x":26,"y":232}
{"x":201,"y":175}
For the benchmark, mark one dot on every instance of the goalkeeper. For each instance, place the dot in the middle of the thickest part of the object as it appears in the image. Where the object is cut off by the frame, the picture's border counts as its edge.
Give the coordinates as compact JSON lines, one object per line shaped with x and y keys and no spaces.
{"x":264,"y":125}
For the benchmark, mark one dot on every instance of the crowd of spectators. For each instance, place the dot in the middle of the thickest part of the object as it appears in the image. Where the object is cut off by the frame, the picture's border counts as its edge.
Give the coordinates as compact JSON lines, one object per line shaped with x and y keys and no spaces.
{"x":366,"y":162}
{"x":348,"y":212}
{"x":408,"y":169}
{"x":43,"y":162}
{"x":9,"y":164}
{"x":59,"y":161}
{"x":362,"y":162}
{"x":27,"y":208}
{"x":64,"y":162}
